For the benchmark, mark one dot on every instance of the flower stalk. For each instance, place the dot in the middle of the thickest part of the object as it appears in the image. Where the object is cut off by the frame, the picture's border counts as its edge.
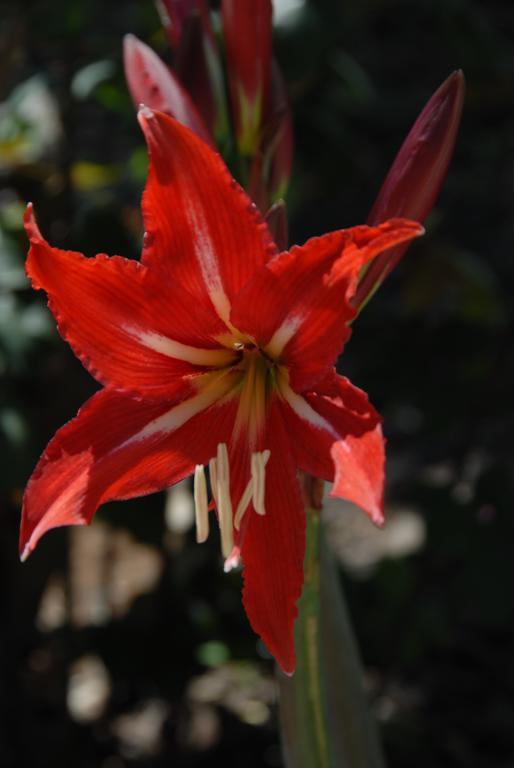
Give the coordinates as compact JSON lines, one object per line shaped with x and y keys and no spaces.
{"x":325,"y":720}
{"x":303,"y":718}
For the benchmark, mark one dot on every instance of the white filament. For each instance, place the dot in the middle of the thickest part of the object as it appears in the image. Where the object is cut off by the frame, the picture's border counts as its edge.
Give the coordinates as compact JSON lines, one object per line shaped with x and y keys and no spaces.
{"x":201,"y":505}
{"x":223,"y":500}
{"x":244,"y":501}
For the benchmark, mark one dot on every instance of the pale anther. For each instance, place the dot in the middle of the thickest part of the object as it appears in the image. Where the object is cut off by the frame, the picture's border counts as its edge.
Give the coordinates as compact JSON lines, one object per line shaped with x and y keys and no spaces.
{"x":223,"y":500}
{"x":258,"y":467}
{"x":201,"y":504}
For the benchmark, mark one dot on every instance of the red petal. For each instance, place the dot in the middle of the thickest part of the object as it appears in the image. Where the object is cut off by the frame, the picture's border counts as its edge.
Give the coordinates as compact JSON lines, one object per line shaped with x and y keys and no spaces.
{"x":339,"y":439}
{"x":298,"y":303}
{"x":95,"y":458}
{"x":203,"y":231}
{"x":418,"y":171}
{"x":105,"y":306}
{"x":151,"y":83}
{"x":273,"y":550}
{"x":247,"y":32}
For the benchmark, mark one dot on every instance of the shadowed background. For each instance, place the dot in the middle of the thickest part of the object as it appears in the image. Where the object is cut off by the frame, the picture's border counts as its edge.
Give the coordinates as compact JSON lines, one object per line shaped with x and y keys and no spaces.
{"x":125,"y":645}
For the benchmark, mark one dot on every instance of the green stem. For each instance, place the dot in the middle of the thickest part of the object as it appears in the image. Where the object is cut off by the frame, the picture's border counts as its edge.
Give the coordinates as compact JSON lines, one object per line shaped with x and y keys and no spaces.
{"x":324,"y":717}
{"x":304,"y":727}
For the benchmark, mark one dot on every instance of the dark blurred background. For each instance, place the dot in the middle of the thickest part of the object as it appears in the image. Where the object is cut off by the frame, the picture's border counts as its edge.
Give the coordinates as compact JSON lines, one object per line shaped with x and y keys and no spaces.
{"x":124,"y":645}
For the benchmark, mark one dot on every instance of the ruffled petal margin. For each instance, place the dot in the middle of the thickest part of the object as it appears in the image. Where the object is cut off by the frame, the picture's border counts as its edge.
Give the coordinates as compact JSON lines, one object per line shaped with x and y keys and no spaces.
{"x":202,"y":230}
{"x":298,"y":305}
{"x":338,"y":437}
{"x":130,"y":330}
{"x":117,"y":448}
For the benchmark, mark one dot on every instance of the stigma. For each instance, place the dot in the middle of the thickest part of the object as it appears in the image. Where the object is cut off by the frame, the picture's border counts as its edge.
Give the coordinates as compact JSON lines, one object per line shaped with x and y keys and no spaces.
{"x":228,"y":519}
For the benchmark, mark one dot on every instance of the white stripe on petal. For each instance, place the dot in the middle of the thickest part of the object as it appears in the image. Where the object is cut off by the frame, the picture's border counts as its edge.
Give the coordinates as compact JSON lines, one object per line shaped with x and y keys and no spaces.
{"x":177,"y":416}
{"x":258,"y":471}
{"x":171,"y":348}
{"x":302,"y":408}
{"x":207,"y":259}
{"x":283,"y":335}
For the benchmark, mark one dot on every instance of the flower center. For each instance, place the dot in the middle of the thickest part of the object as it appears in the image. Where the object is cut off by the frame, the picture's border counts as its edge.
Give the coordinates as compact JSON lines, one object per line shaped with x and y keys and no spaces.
{"x":254,"y":375}
{"x":259,"y":373}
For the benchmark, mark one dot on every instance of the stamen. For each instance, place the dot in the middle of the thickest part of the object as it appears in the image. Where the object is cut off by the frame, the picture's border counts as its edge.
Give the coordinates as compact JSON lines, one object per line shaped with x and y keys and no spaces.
{"x":233,"y":560}
{"x":255,"y":492}
{"x":224,"y":502}
{"x":213,"y":474}
{"x":244,"y":501}
{"x":201,"y":505}
{"x":258,"y":466}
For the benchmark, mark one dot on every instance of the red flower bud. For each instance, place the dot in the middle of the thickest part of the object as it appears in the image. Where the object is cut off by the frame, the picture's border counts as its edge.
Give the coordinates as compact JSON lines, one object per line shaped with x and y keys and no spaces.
{"x":271,"y":166}
{"x":415,"y":178}
{"x":247,"y":30}
{"x":282,"y":142}
{"x":199,"y":69}
{"x":151,"y":83}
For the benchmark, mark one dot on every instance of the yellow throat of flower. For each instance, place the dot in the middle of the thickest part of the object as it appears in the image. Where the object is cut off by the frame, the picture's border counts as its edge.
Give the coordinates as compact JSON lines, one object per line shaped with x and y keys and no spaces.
{"x":256,"y":385}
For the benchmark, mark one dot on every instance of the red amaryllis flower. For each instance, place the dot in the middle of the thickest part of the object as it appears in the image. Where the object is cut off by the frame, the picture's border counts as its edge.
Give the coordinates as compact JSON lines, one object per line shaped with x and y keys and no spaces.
{"x":214,"y":350}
